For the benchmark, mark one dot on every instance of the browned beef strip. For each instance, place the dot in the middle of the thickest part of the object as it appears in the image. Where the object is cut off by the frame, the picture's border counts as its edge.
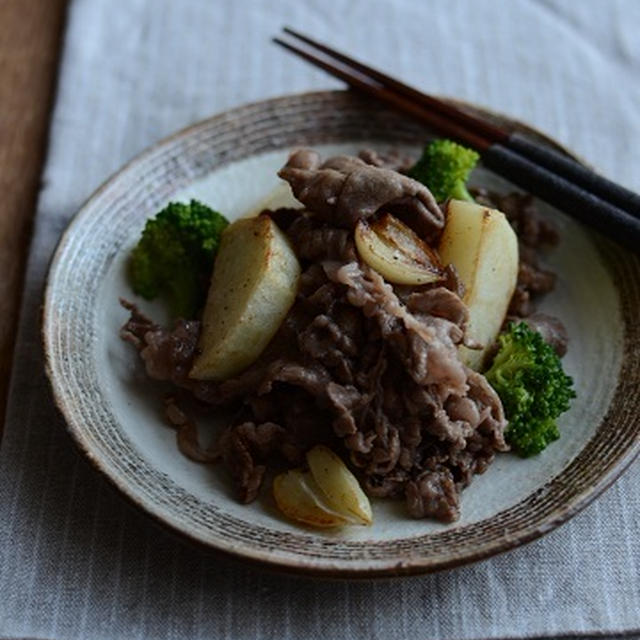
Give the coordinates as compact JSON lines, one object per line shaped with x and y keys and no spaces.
{"x":521,"y":304}
{"x":345,"y":189}
{"x":533,"y":281}
{"x":439,"y":302}
{"x":315,"y":240}
{"x":393,"y":160}
{"x":246,"y":449}
{"x":167,"y":354}
{"x":433,"y":494}
{"x":187,"y":432}
{"x":284,"y":217}
{"x":551,"y":329}
{"x":138,"y":324}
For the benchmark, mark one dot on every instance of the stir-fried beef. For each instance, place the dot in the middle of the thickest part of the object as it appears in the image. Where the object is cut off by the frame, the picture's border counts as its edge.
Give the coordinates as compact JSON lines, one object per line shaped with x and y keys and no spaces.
{"x":245,"y":449}
{"x":369,"y":369}
{"x":167,"y":354}
{"x":344,"y":189}
{"x":393,"y":160}
{"x":551,"y":329}
{"x":187,"y":436}
{"x":316,"y":241}
{"x":386,"y":382}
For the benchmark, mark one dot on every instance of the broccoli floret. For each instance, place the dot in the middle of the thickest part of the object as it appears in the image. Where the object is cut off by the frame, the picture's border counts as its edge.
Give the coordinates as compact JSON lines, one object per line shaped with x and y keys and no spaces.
{"x":444,"y":168}
{"x":527,"y":375}
{"x":174,"y":257}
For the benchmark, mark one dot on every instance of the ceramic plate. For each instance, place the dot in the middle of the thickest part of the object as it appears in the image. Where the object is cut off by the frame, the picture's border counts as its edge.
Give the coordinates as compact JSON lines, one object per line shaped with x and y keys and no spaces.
{"x":114,"y":413}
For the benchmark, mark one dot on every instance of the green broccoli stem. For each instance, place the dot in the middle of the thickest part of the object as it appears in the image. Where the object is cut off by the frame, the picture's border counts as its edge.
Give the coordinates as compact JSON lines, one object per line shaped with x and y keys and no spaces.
{"x":459,"y":192}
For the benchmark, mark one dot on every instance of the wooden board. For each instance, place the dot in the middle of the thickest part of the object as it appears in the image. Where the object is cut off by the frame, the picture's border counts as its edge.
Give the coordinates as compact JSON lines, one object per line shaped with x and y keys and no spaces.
{"x":30,"y":38}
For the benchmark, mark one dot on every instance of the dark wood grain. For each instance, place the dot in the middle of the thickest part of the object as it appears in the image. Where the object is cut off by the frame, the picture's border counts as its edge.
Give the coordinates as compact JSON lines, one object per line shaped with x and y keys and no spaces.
{"x":30,"y":37}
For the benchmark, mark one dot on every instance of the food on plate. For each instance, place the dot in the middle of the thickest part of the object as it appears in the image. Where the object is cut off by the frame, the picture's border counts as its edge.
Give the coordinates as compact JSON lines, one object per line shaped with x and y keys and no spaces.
{"x":363,"y":387}
{"x":253,"y":285}
{"x":344,"y":189}
{"x":528,"y":376}
{"x":328,"y":495}
{"x":481,"y":244}
{"x":299,"y":498}
{"x":338,"y":484}
{"x":174,"y":256}
{"x":444,"y":167}
{"x":396,"y":252}
{"x":536,"y":235}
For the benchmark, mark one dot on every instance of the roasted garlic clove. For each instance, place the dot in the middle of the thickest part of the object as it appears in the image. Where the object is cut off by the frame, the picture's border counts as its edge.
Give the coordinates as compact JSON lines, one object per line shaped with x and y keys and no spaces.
{"x":299,"y":498}
{"x":328,"y":495}
{"x":339,"y":486}
{"x":396,"y":252}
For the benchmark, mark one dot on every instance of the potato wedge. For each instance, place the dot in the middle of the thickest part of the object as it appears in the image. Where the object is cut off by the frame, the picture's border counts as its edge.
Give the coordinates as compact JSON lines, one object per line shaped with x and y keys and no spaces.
{"x":338,"y":485}
{"x":396,"y":252}
{"x":483,"y":247}
{"x":253,"y":285}
{"x":299,"y":498}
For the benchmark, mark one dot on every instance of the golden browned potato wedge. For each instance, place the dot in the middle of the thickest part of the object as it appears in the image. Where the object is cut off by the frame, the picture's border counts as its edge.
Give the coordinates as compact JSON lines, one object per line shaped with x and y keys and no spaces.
{"x":253,"y":285}
{"x":483,"y":247}
{"x":396,"y":252}
{"x":299,"y":498}
{"x":338,"y":485}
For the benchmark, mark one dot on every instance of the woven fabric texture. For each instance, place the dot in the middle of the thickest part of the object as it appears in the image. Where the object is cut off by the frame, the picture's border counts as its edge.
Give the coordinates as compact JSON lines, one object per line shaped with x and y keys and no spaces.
{"x":76,"y":561}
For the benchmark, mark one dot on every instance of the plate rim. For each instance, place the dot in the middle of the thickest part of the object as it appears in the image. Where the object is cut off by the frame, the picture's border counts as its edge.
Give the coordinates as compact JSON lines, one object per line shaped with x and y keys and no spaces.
{"x":416,"y":565}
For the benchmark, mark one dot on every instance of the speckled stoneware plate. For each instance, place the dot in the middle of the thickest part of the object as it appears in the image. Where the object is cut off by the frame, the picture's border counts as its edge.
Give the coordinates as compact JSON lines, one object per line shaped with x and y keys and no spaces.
{"x":114,"y":414}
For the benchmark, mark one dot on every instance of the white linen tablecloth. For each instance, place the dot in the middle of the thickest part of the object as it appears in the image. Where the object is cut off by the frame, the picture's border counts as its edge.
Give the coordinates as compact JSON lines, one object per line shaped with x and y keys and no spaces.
{"x":76,"y":561}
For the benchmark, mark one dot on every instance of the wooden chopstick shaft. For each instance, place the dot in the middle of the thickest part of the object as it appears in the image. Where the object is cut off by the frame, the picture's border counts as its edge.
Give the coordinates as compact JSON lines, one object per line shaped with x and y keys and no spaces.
{"x":435,"y":120}
{"x":556,"y":162}
{"x":577,"y":173}
{"x":485,"y":129}
{"x":554,"y":189}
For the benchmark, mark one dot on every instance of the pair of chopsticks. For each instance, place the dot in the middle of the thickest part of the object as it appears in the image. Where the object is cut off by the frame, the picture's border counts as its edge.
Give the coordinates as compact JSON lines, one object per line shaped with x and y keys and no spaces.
{"x":544,"y":172}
